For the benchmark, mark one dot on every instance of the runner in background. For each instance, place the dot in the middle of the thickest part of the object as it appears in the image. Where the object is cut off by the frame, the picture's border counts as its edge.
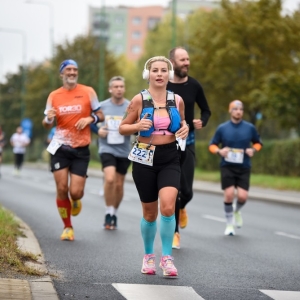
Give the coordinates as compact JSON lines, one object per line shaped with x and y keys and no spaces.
{"x":192,"y":94}
{"x":19,"y":141}
{"x":113,"y":150}
{"x":75,"y":107}
{"x":239,"y":141}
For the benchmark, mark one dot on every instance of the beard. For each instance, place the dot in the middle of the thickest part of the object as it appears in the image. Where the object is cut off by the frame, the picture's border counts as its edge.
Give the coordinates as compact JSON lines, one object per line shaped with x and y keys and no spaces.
{"x":180,"y":73}
{"x":70,"y":80}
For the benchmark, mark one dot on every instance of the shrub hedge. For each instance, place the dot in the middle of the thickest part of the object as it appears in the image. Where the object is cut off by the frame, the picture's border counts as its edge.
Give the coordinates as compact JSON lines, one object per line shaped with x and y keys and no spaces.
{"x":277,"y":157}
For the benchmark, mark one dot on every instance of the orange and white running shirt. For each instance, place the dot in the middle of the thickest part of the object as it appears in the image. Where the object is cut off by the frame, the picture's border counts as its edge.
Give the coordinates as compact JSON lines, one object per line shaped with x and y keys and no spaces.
{"x":70,"y":107}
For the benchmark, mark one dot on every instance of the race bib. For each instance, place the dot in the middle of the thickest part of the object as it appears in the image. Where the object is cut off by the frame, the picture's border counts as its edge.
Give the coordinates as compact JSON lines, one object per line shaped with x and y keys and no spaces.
{"x":142,"y":153}
{"x":53,"y":146}
{"x":112,"y":124}
{"x":235,"y":156}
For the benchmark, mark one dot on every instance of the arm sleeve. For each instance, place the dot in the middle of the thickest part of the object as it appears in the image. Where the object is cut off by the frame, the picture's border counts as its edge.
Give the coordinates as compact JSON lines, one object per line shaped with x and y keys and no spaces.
{"x":95,"y":104}
{"x":203,"y":105}
{"x":94,"y":128}
{"x":256,"y":141}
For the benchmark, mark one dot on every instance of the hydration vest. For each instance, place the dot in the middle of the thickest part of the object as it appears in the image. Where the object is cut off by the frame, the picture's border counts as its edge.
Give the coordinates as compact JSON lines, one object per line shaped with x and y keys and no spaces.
{"x":148,"y":108}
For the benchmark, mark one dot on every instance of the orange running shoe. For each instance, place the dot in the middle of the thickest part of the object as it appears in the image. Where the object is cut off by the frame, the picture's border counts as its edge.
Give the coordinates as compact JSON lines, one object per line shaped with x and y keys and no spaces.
{"x":68,"y":234}
{"x":183,"y":218}
{"x":75,"y":207}
{"x":176,"y":241}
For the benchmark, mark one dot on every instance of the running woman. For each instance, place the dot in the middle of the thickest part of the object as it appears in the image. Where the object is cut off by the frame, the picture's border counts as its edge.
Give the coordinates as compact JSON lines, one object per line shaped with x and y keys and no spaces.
{"x":157,"y":115}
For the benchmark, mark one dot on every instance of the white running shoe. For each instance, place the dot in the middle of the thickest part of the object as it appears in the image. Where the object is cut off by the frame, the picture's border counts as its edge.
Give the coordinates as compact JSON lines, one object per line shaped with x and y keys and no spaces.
{"x":229,"y":231}
{"x":238,"y":220}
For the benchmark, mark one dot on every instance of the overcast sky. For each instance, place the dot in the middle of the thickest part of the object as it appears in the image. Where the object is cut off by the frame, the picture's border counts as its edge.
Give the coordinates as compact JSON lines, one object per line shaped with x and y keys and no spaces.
{"x":33,"y":21}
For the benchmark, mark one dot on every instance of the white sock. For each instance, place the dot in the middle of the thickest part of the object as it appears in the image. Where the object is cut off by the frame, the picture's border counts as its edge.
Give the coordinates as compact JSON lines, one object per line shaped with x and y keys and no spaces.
{"x":109,"y":210}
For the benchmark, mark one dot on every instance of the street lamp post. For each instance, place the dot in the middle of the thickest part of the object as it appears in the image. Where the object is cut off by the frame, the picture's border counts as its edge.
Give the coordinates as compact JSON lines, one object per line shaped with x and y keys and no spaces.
{"x":51,"y":32}
{"x":102,"y":39}
{"x":174,"y":24}
{"x":22,"y":33}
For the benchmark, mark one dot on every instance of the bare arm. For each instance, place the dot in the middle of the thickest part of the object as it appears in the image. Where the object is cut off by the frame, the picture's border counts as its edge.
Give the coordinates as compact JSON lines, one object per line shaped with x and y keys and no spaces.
{"x":48,"y":121}
{"x":131,"y":122}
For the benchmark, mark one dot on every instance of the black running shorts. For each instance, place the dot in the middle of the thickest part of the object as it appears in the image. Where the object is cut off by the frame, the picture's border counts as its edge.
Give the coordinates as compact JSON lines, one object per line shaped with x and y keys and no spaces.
{"x":235,"y":176}
{"x":121,"y":163}
{"x":164,"y":172}
{"x":76,"y":159}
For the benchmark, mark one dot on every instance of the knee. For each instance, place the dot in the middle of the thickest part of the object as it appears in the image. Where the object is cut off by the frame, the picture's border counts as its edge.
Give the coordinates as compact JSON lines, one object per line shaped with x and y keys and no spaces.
{"x":150,"y":216}
{"x":242,"y":197}
{"x":167,"y":210}
{"x":109,"y":181}
{"x":76,"y":194}
{"x":62,"y":189}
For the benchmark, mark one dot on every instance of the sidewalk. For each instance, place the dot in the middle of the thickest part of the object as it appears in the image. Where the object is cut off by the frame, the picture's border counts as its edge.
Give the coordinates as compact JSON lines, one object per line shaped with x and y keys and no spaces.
{"x":43,"y":289}
{"x":35,"y":289}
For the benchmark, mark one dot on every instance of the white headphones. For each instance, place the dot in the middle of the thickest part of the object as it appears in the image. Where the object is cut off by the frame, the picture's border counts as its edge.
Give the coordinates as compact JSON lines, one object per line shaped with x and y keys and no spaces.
{"x":146,"y":72}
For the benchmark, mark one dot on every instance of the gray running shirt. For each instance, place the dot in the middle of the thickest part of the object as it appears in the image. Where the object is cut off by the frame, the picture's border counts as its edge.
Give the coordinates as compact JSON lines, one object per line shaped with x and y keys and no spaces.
{"x":114,"y":143}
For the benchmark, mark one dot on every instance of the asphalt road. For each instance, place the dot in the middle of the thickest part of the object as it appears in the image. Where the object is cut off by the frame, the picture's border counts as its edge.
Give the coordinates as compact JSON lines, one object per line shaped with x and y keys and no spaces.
{"x":99,"y":264}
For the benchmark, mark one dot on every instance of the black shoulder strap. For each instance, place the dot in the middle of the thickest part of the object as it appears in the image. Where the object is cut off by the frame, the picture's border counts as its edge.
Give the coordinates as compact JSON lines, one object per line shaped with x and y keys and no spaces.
{"x":147,"y":99}
{"x":171,"y":99}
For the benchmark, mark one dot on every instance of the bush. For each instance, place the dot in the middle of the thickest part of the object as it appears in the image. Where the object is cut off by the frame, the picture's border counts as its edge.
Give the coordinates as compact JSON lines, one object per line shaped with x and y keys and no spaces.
{"x":277,"y":157}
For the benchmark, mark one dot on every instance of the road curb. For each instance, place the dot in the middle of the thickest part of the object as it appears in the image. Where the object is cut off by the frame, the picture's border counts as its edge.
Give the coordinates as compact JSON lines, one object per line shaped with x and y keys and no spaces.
{"x":41,"y":288}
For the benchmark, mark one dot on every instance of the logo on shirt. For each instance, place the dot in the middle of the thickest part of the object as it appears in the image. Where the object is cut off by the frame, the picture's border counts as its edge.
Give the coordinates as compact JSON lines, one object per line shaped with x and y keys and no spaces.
{"x":70,"y":109}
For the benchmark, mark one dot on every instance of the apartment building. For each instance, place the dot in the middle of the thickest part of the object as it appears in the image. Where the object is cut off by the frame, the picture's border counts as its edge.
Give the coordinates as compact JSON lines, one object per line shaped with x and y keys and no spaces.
{"x":125,"y":28}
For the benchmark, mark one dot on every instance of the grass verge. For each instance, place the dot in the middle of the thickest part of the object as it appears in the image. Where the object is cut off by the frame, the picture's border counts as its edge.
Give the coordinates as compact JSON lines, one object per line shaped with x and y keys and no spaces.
{"x":12,"y":260}
{"x":259,"y":180}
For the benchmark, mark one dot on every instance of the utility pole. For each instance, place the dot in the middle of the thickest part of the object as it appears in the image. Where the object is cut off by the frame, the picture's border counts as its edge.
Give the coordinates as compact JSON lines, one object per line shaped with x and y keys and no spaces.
{"x":102,"y":39}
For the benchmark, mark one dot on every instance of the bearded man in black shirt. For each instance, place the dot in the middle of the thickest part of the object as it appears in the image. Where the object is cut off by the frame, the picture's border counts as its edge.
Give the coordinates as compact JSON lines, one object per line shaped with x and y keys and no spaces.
{"x":191,"y":92}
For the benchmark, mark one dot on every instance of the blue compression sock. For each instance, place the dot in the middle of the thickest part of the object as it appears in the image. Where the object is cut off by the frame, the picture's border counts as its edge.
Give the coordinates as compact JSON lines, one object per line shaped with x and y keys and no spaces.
{"x":148,"y":230}
{"x":167,"y":228}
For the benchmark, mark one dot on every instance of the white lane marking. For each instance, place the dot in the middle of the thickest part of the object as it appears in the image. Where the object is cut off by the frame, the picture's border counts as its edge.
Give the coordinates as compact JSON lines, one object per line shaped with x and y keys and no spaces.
{"x":209,"y":217}
{"x":288,"y":235}
{"x":150,"y":292}
{"x":282,"y":295}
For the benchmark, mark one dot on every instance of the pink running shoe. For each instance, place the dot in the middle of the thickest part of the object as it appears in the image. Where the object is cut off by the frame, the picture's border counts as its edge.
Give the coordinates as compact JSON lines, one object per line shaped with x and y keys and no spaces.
{"x":149,"y":264}
{"x":167,"y":265}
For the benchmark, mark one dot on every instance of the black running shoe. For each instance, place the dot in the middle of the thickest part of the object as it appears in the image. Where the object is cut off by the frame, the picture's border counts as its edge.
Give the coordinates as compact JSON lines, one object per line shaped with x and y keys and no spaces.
{"x":107,"y":221}
{"x":113,"y":223}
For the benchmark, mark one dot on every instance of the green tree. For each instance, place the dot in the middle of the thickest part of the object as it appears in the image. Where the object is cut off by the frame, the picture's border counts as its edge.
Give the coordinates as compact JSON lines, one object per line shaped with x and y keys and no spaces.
{"x":84,"y":49}
{"x":11,"y":103}
{"x":234,"y":49}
